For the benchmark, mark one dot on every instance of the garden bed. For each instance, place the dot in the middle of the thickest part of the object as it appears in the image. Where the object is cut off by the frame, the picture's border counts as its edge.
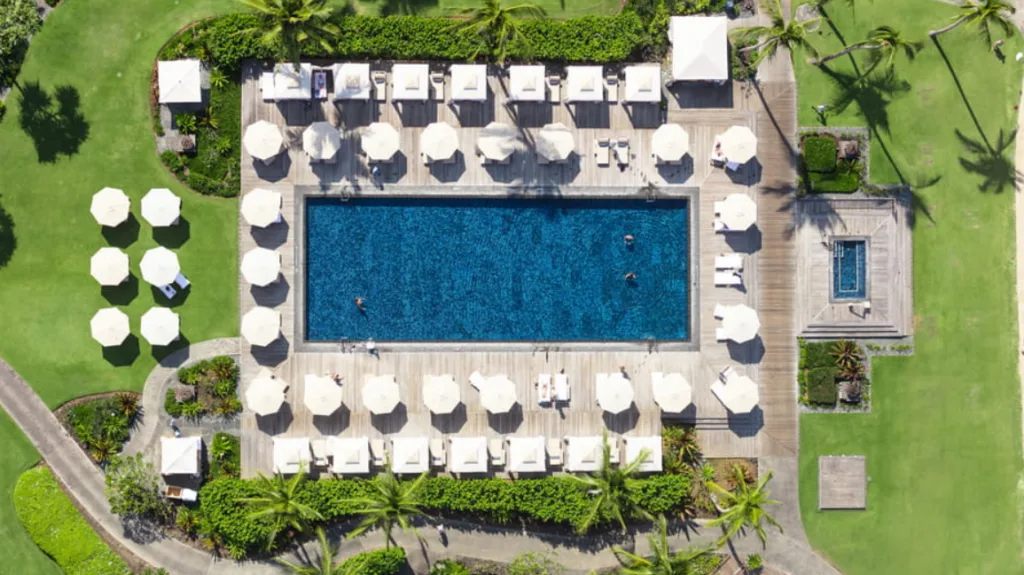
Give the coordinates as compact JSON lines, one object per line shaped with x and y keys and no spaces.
{"x":830,"y":163}
{"x":102,"y":423}
{"x":833,"y":376}
{"x":207,"y":387}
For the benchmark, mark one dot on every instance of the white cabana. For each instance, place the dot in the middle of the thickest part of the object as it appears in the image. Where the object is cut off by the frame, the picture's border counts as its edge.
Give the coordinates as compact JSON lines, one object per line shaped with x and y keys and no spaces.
{"x":292,"y":84}
{"x":410,"y":82}
{"x":351,"y":455}
{"x":468,"y":455}
{"x":739,"y":144}
{"x":110,"y":207}
{"x":439,"y":141}
{"x":637,"y":445}
{"x":643,"y":83}
{"x":584,"y":84}
{"x":261,"y":267}
{"x":585,"y":453}
{"x":738,"y":212}
{"x":321,"y":394}
{"x":265,"y":394}
{"x":555,"y":142}
{"x":410,"y":455}
{"x":380,"y":141}
{"x":180,"y":455}
{"x":321,"y":141}
{"x":441,"y":393}
{"x":671,"y":391}
{"x":161,"y":208}
{"x":670,"y":143}
{"x":614,"y":392}
{"x":700,"y":47}
{"x":352,"y":81}
{"x":498,"y":394}
{"x":160,"y":326}
{"x":180,"y":81}
{"x":381,"y":394}
{"x":261,"y":207}
{"x":292,"y":455}
{"x":740,"y":323}
{"x":110,"y":327}
{"x":261,"y":326}
{"x":109,"y":266}
{"x":526,"y":83}
{"x":496,"y":142}
{"x":469,"y":82}
{"x":160,"y":266}
{"x":527,"y":455}
{"x":263,"y":140}
{"x":739,"y":395}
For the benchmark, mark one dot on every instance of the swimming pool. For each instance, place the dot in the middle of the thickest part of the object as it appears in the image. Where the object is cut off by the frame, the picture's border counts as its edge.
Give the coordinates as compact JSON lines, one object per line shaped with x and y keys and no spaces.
{"x":496,"y":270}
{"x":849,"y":269}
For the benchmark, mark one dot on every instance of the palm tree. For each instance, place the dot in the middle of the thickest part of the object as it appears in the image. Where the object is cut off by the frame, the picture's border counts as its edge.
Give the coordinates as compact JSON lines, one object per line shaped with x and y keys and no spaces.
{"x":391,"y":503}
{"x":846,"y":353}
{"x":662,"y":560}
{"x":743,"y":507}
{"x":885,"y":43}
{"x":288,"y":25}
{"x":498,"y":26}
{"x":277,"y":501}
{"x":767,"y":39}
{"x":984,"y":14}
{"x":323,"y":561}
{"x":612,"y":489}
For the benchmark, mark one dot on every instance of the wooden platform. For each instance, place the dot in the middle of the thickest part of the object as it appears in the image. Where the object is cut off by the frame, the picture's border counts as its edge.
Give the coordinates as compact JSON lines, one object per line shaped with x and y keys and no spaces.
{"x":842,"y":482}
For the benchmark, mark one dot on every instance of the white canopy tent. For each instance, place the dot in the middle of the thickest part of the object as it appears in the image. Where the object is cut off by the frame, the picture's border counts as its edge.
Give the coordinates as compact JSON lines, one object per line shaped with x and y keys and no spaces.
{"x":292,"y":455}
{"x":671,"y":391}
{"x":110,"y":207}
{"x":440,"y":393}
{"x":439,"y":141}
{"x":261,"y":266}
{"x":739,"y":395}
{"x":321,"y":141}
{"x":263,"y":140}
{"x":265,"y":394}
{"x":555,"y":142}
{"x":180,"y":81}
{"x":584,"y":84}
{"x":110,"y":327}
{"x":526,"y":83}
{"x":739,"y":144}
{"x":160,"y":326}
{"x":614,"y":393}
{"x":496,"y":141}
{"x":498,"y":394}
{"x":469,"y":82}
{"x":261,"y":326}
{"x":292,"y":84}
{"x":410,"y":454}
{"x":643,"y":83}
{"x":527,"y":455}
{"x":700,"y":47}
{"x":410,"y":82}
{"x":670,"y":143}
{"x":161,"y":208}
{"x":740,"y":323}
{"x":180,"y":455}
{"x":381,"y":394}
{"x":738,"y":212}
{"x":321,"y":394}
{"x":380,"y":141}
{"x":109,"y":266}
{"x":585,"y":453}
{"x":351,"y":455}
{"x":352,"y":81}
{"x":160,"y":266}
{"x":636,"y":445}
{"x":261,"y":207}
{"x":468,"y":455}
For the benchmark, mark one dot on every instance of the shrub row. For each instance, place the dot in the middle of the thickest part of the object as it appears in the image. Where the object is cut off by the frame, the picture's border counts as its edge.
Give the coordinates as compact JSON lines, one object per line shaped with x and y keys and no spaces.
{"x":821,"y":386}
{"x":378,"y":562}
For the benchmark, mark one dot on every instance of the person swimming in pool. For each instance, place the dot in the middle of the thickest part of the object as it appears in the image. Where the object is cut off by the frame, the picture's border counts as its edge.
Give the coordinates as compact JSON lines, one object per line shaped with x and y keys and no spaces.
{"x":629,"y":239}
{"x":360,"y":303}
{"x":630,"y":277}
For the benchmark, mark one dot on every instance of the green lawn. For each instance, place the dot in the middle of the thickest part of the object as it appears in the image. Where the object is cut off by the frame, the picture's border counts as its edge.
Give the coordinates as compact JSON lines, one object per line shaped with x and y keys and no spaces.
{"x":943,"y":440}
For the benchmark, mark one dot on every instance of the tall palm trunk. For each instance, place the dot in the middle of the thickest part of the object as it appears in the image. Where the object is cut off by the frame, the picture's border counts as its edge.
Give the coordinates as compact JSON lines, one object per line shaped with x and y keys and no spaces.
{"x":844,"y":52}
{"x":955,"y":23}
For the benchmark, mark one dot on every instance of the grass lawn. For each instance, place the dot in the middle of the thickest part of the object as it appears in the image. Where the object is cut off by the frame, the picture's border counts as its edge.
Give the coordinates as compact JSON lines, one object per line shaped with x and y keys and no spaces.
{"x":943,"y":440}
{"x":554,"y":8}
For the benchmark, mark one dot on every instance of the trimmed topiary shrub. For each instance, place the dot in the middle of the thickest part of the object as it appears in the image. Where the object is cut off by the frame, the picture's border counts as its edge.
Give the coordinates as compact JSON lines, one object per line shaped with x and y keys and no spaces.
{"x":821,"y":386}
{"x":820,"y":153}
{"x":817,"y":354}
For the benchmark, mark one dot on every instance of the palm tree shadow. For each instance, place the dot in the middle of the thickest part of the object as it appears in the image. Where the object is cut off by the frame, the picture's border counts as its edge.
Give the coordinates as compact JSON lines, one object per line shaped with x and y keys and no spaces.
{"x":8,"y":241}
{"x":960,"y":89}
{"x":992,"y":163}
{"x":54,"y":123}
{"x":871,"y":94}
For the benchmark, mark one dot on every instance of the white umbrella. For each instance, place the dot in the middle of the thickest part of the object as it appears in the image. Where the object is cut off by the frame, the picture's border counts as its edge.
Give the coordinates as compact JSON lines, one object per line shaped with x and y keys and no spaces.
{"x":110,"y":207}
{"x":615,"y":394}
{"x":741,"y":395}
{"x":740,"y":323}
{"x":739,"y":144}
{"x":381,"y":394}
{"x":380,"y":141}
{"x":555,"y":142}
{"x":261,"y":266}
{"x":263,"y":140}
{"x":265,"y":394}
{"x":109,"y":266}
{"x":670,"y":143}
{"x":261,"y":326}
{"x":160,"y":266}
{"x":498,"y":394}
{"x":496,"y":141}
{"x":110,"y":327}
{"x":161,"y":208}
{"x":261,"y":207}
{"x":321,"y":394}
{"x":439,"y":141}
{"x":321,"y":141}
{"x":672,"y":392}
{"x":739,"y":212}
{"x":160,"y":326}
{"x":440,"y":393}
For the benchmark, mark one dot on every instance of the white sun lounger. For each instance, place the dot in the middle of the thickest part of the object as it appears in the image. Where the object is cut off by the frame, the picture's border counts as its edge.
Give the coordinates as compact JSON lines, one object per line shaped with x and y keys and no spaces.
{"x":719,"y":311}
{"x":267,"y":86}
{"x":622,"y":151}
{"x":728,"y":373}
{"x":602,"y":151}
{"x":182,"y":281}
{"x":562,"y":392}
{"x":476,"y":379}
{"x":719,"y":226}
{"x":728,"y":279}
{"x":614,"y":455}
{"x":729,"y":262}
{"x":496,"y":447}
{"x":168,"y":291}
{"x":378,"y":453}
{"x":544,"y":391}
{"x":720,"y":334}
{"x":437,"y":81}
{"x":554,"y":452}
{"x":319,"y":449}
{"x":380,"y":85}
{"x":611,"y":84}
{"x":718,"y":207}
{"x":437,"y":454}
{"x":718,"y":388}
{"x":554,"y":89}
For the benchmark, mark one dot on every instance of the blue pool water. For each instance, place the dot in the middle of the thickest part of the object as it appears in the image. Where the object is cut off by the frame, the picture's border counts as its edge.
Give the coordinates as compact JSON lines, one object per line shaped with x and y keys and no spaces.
{"x":496,"y":270}
{"x":849,"y":273}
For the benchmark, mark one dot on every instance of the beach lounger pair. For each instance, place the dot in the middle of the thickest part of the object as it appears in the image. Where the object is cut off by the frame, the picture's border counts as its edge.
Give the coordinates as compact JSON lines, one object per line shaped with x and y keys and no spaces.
{"x":729,"y":262}
{"x":548,"y":392}
{"x":728,"y":278}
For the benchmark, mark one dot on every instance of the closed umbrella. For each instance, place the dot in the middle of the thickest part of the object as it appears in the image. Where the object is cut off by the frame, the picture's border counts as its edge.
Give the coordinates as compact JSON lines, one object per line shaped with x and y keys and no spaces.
{"x":740,"y":323}
{"x":160,"y":266}
{"x":496,"y":142}
{"x":110,"y":327}
{"x":441,"y":393}
{"x":739,"y":144}
{"x":672,"y":392}
{"x":498,"y":394}
{"x":381,"y":394}
{"x":555,"y":142}
{"x":439,"y":141}
{"x":261,"y":207}
{"x":265,"y":394}
{"x":161,"y":208}
{"x":321,"y":394}
{"x":109,"y":266}
{"x":110,"y":207}
{"x":670,"y":143}
{"x":160,"y":326}
{"x":321,"y":141}
{"x":261,"y":326}
{"x":739,"y":212}
{"x":261,"y":267}
{"x":380,"y":141}
{"x":615,"y":393}
{"x":263,"y":140}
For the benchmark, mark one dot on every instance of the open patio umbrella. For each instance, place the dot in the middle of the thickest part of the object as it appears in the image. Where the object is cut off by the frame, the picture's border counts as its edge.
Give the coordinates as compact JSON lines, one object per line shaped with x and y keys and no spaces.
{"x":741,"y":395}
{"x":161,"y":208}
{"x":263,"y":140}
{"x":321,"y":141}
{"x":110,"y":207}
{"x":261,"y":267}
{"x":381,"y":394}
{"x":496,"y":141}
{"x":555,"y":142}
{"x":380,"y":141}
{"x":739,"y":144}
{"x":740,"y":323}
{"x":498,"y":394}
{"x":261,"y":326}
{"x":321,"y":395}
{"x":739,"y":212}
{"x":615,"y":394}
{"x":160,"y":266}
{"x":110,"y":327}
{"x":160,"y":326}
{"x":109,"y":266}
{"x":439,"y":141}
{"x":261,"y":207}
{"x":672,"y":392}
{"x":441,"y":393}
{"x":670,"y":143}
{"x":265,"y":394}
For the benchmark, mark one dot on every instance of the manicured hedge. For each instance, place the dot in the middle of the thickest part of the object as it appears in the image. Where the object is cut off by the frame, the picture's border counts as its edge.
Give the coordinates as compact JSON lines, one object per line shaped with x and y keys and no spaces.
{"x":821,"y":385}
{"x":820,"y":153}
{"x":816,"y":354}
{"x":378,"y":562}
{"x":845,"y":179}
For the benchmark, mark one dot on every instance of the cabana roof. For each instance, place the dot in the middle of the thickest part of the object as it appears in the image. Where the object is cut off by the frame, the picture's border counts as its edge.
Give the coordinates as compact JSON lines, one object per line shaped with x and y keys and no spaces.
{"x":180,"y":81}
{"x":700,"y":47}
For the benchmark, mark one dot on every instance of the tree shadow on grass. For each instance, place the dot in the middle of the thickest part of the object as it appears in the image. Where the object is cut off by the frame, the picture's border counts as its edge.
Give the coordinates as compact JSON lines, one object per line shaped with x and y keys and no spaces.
{"x":55,"y":123}
{"x":991,"y":162}
{"x":8,"y":242}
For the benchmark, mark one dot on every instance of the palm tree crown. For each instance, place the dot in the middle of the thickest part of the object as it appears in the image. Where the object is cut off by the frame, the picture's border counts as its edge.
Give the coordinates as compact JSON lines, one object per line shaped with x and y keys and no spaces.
{"x":984,"y":14}
{"x":744,"y":506}
{"x":498,"y":26}
{"x":662,"y":560}
{"x":789,"y":34}
{"x":288,"y":25}
{"x":277,"y":502}
{"x":391,"y":503}
{"x":885,"y":44}
{"x":612,"y":491}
